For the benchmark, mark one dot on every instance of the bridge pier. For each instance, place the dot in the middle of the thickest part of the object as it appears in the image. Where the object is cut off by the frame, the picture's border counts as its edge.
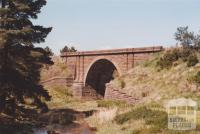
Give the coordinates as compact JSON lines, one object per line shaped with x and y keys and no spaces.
{"x":77,"y":88}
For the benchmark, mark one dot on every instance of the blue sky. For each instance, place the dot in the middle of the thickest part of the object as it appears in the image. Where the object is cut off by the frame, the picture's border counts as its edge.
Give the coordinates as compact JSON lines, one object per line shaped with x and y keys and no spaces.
{"x":107,"y":24}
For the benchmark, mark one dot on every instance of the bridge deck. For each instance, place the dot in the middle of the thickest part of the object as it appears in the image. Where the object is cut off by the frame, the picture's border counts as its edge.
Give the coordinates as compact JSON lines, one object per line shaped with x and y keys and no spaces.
{"x":113,"y":51}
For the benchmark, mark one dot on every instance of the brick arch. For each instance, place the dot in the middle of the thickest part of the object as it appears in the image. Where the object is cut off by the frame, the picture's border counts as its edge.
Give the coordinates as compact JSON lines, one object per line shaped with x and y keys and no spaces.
{"x":101,"y":58}
{"x":79,"y":63}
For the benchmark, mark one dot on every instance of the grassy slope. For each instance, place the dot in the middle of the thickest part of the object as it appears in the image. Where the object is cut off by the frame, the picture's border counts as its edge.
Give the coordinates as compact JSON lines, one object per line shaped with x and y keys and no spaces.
{"x":149,"y":83}
{"x":59,"y":69}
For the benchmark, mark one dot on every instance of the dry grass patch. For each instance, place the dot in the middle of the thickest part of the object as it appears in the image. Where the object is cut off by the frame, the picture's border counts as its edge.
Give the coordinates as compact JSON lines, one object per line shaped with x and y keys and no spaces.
{"x":104,"y":115}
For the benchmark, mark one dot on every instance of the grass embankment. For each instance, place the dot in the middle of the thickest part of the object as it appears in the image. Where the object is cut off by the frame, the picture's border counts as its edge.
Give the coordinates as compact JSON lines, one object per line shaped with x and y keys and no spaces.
{"x":58,"y":69}
{"x":147,"y":82}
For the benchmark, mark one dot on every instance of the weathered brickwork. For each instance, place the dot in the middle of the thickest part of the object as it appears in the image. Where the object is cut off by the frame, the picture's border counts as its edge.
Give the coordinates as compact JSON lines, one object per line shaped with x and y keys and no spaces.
{"x":79,"y":63}
{"x":113,"y":93}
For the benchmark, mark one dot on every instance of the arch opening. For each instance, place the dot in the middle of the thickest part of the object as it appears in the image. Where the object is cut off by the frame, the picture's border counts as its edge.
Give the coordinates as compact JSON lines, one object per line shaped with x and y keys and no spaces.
{"x":100,"y":73}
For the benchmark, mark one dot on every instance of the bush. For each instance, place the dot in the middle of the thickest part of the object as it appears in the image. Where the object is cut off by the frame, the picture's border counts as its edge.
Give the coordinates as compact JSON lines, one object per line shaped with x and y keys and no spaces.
{"x":196,"y":78}
{"x":163,"y":63}
{"x":157,"y":120}
{"x":168,"y":58}
{"x":151,"y":117}
{"x":171,"y":56}
{"x":185,"y":53}
{"x":192,"y":60}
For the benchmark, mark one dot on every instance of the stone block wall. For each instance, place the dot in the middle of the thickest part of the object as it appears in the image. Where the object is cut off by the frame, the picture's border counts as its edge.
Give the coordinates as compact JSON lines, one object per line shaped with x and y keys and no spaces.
{"x":112,"y":93}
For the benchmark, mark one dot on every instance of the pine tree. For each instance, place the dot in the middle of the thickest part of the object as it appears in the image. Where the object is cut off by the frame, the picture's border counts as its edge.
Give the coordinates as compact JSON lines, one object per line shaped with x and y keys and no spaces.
{"x":68,"y":49}
{"x":73,"y":49}
{"x":49,"y":51}
{"x":65,"y":49}
{"x":20,"y":60}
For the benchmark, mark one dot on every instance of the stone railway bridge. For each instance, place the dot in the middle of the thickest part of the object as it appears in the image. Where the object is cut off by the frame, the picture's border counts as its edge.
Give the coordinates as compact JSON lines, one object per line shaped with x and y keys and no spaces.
{"x":91,"y":70}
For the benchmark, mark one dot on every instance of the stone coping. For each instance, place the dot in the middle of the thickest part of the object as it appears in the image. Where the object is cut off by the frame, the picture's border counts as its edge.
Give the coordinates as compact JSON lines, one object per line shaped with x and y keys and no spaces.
{"x":114,"y":51}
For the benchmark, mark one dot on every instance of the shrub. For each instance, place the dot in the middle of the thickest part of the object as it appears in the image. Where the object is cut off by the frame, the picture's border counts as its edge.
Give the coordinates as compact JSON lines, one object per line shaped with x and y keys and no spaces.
{"x":163,"y":63}
{"x":151,"y":117}
{"x":168,"y":58}
{"x":185,"y":53}
{"x":171,"y":56}
{"x":196,"y":78}
{"x":192,"y":60}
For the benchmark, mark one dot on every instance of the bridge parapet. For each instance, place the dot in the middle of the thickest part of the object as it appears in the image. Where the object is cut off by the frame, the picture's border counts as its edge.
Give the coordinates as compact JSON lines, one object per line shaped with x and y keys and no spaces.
{"x":114,"y":51}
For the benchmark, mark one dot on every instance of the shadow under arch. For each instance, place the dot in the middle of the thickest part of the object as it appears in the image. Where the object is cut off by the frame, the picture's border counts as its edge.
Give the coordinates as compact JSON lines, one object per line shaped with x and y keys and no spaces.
{"x":100,"y":72}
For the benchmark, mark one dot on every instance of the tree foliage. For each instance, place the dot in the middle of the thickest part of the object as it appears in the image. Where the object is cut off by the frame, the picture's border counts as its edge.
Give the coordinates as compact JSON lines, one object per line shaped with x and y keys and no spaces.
{"x":68,"y":49}
{"x":186,"y":38}
{"x":166,"y":61}
{"x":190,"y":46}
{"x":49,"y":51}
{"x":20,"y":60}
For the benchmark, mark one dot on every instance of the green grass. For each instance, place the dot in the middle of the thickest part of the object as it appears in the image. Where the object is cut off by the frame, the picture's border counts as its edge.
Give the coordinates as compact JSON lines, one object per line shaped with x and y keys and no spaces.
{"x":153,"y":117}
{"x":112,"y":103}
{"x":60,"y":96}
{"x":155,"y":121}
